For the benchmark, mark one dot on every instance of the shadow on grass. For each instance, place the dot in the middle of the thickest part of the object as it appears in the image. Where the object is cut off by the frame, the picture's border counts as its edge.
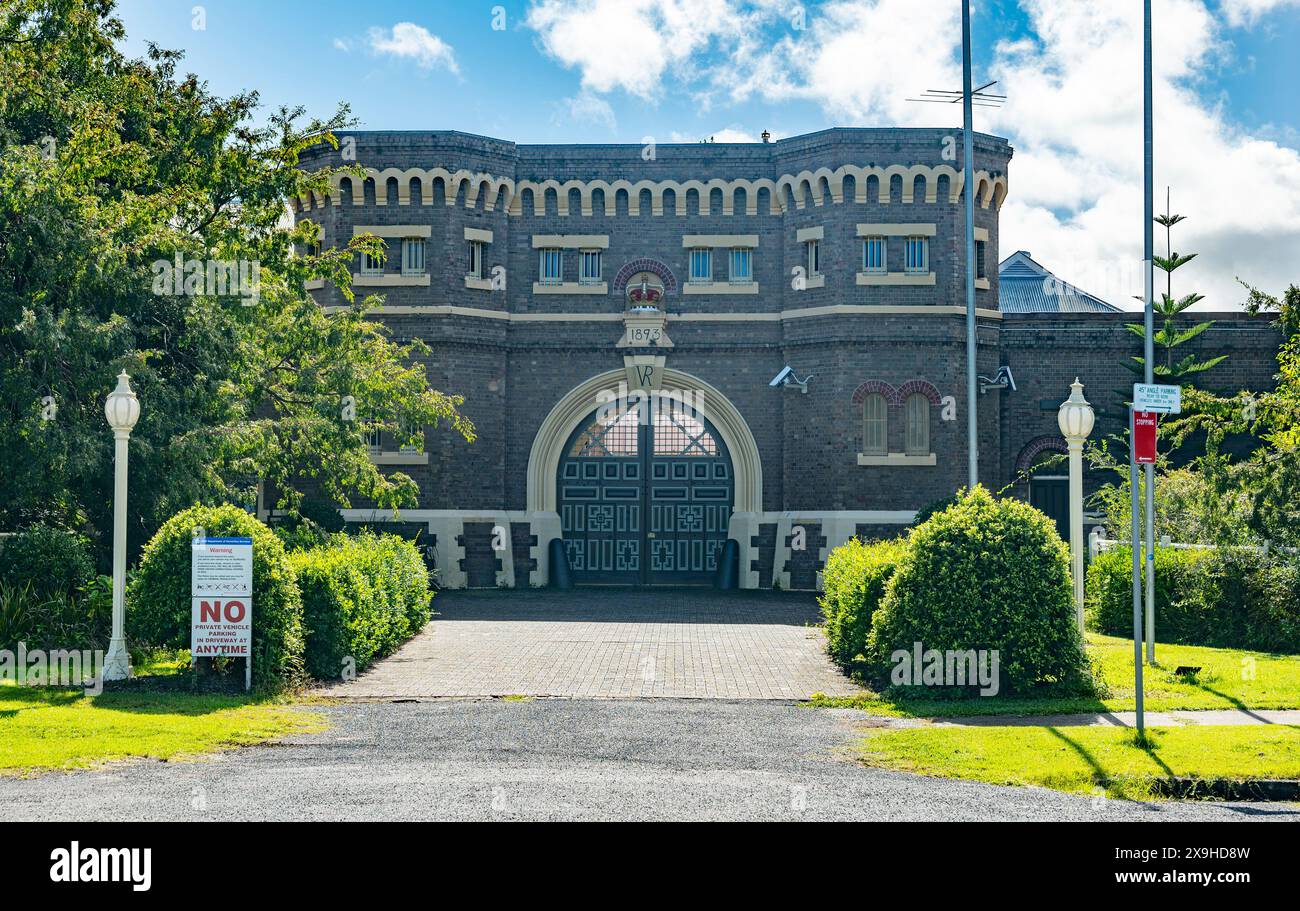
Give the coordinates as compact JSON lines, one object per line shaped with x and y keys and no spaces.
{"x":174,"y":695}
{"x":32,"y":695}
{"x":1234,"y":701}
{"x":1147,"y":744}
{"x":899,"y":703}
{"x":1099,"y":775}
{"x":1117,"y":785}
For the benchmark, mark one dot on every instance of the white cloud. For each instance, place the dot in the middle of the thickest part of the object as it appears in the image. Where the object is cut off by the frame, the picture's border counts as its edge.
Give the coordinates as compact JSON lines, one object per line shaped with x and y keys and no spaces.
{"x":586,"y":107}
{"x":726,"y":134}
{"x":861,"y":59}
{"x":629,"y":44}
{"x":1248,"y":12}
{"x":408,"y":40}
{"x":1075,"y":118}
{"x":342,"y":44}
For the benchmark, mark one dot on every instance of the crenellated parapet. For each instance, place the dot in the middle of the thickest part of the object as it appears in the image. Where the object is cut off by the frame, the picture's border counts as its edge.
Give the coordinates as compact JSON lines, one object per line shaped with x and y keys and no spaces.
{"x":904,"y":183}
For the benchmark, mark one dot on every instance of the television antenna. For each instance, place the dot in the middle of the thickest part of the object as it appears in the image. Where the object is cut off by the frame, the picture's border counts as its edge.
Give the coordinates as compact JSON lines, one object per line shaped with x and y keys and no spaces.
{"x":978,"y":97}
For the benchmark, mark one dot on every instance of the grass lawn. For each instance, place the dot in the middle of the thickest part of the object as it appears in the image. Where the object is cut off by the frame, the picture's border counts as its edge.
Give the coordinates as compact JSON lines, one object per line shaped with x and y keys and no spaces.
{"x":1229,"y":678}
{"x":44,"y":729}
{"x":1083,"y":759}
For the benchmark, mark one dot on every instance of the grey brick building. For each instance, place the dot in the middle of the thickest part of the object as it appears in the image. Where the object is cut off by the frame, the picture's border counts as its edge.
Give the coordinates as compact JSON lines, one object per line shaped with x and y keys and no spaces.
{"x":614,"y":316}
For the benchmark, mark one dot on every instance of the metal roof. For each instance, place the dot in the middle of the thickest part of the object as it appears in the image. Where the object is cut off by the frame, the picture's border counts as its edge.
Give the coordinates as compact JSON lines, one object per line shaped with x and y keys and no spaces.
{"x":1025,"y":286}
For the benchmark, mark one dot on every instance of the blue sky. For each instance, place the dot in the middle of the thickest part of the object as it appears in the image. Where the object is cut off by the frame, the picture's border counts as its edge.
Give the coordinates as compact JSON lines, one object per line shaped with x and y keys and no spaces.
{"x":681,"y":70}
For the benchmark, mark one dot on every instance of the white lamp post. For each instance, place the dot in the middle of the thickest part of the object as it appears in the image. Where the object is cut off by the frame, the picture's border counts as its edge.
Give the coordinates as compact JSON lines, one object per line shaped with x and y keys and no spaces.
{"x":1075,"y":418}
{"x":122,"y":409}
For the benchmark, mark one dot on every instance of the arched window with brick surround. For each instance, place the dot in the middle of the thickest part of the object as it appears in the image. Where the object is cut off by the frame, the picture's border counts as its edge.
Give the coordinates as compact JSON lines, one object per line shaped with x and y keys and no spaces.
{"x":917,"y":439}
{"x":875,"y":424}
{"x":875,"y":398}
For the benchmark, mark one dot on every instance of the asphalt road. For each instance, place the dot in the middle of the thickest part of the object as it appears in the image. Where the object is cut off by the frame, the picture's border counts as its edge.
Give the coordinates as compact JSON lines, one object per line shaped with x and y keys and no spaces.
{"x":561,"y":759}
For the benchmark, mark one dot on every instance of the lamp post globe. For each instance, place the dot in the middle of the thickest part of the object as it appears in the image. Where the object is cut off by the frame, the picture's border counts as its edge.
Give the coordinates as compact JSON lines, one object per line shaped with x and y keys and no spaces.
{"x":1075,"y":416}
{"x":1076,"y":419}
{"x":122,"y":408}
{"x":122,"y":411}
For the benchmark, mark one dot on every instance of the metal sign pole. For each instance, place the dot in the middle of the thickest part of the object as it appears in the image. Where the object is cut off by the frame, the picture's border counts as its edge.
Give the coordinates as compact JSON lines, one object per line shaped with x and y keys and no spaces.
{"x":1136,"y":539}
{"x":1148,"y":228}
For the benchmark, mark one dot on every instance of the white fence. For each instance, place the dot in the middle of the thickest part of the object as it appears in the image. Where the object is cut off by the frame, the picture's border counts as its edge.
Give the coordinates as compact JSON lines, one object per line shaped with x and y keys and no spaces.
{"x":1098,"y":544}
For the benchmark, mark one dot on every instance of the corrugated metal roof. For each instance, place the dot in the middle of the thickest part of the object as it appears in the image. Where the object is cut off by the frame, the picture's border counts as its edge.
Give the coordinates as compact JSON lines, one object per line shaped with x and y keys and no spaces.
{"x":1025,"y":286}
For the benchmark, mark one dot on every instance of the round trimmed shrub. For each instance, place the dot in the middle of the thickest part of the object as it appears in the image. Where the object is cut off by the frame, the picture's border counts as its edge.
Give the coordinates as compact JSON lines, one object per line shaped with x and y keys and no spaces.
{"x":51,"y":561}
{"x":923,"y":514}
{"x":158,"y":600}
{"x":853,"y":585}
{"x":985,"y":574}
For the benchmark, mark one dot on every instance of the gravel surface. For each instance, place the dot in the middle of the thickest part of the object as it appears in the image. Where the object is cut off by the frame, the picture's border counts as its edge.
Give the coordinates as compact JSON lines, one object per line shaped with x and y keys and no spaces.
{"x":561,"y":759}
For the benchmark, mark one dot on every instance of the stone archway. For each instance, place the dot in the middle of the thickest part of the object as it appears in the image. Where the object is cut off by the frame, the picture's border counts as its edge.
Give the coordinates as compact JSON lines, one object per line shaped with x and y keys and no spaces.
{"x":578,"y":404}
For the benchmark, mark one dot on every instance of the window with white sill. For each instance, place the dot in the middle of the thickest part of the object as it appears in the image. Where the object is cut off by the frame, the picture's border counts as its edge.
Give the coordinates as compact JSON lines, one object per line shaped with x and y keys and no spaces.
{"x":873,"y":255}
{"x":742,"y":266}
{"x":916,"y":255}
{"x":917,"y":441}
{"x":413,"y":256}
{"x":701,"y":265}
{"x":875,"y":425}
{"x":550,"y":266}
{"x":371,"y":265}
{"x":475,"y":259}
{"x":589,"y":267}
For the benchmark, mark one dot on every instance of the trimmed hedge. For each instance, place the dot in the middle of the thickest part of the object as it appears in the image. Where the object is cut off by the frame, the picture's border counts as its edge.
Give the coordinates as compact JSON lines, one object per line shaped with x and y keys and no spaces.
{"x":52,"y":562}
{"x":158,"y":600}
{"x":853,"y":586}
{"x":1223,"y":598}
{"x":985,"y":574}
{"x":363,"y":595}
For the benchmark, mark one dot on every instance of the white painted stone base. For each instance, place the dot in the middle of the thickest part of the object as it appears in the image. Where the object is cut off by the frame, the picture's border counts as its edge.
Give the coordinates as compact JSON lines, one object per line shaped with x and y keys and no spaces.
{"x":837,"y":526}
{"x":447,"y":525}
{"x":117,"y":663}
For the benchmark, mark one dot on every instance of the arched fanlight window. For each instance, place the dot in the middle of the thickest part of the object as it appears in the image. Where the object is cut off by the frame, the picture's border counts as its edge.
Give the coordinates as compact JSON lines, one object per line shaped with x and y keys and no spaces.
{"x":612,"y":433}
{"x":875,"y":425}
{"x":918,"y":424}
{"x":679,"y":431}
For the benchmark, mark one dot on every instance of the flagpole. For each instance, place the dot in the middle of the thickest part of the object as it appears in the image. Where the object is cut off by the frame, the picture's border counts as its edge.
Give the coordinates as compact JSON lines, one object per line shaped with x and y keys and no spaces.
{"x":968,"y":148}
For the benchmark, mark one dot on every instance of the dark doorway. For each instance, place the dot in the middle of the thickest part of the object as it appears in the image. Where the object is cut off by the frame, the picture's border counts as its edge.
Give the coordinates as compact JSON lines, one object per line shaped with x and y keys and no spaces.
{"x":1051,"y":494}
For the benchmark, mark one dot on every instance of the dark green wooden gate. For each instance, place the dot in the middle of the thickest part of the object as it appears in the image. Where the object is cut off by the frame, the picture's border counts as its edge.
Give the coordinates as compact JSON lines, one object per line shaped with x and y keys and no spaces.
{"x":645,"y":494}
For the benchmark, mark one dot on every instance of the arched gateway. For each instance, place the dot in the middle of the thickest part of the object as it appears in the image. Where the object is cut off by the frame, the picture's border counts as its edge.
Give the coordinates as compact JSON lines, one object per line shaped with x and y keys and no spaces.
{"x":645,"y":485}
{"x":645,"y":495}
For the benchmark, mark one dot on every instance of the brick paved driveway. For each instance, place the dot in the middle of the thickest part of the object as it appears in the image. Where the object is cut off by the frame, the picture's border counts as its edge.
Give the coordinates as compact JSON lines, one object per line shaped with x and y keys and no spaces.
{"x":610,"y":643}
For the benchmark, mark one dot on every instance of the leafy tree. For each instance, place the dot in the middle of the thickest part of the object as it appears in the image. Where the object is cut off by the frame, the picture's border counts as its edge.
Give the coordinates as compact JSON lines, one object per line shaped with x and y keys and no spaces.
{"x":1273,"y":472}
{"x":1287,"y":307}
{"x":1168,"y":308}
{"x":1267,"y":482}
{"x":112,"y":170}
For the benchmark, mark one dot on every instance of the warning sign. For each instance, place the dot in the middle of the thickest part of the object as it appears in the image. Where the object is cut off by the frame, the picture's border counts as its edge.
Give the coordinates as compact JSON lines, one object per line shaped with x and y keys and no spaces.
{"x":221,"y":602}
{"x":221,"y":626}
